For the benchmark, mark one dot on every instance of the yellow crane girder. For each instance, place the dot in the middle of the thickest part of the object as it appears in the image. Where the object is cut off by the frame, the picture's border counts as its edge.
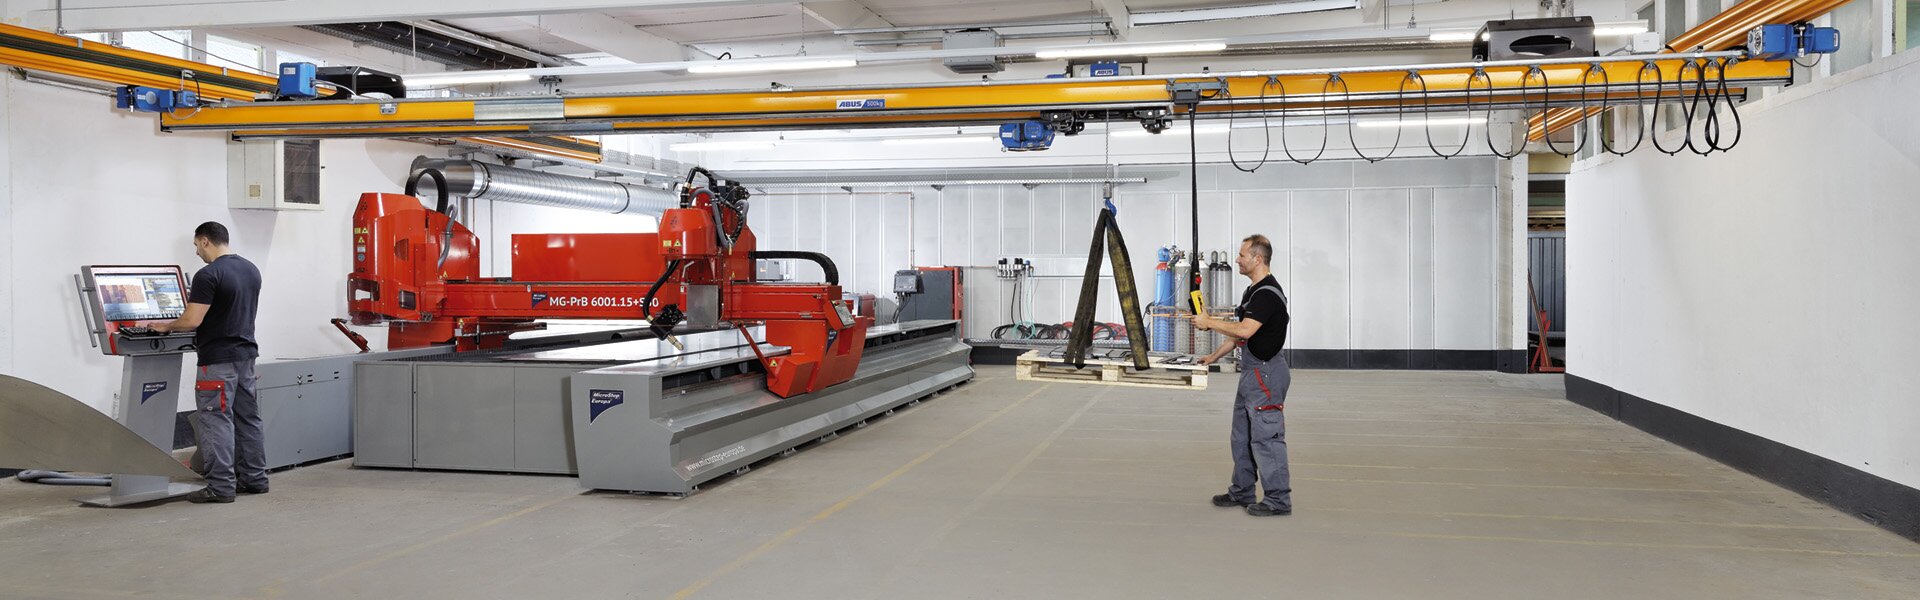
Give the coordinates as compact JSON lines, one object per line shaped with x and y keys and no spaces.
{"x":1412,"y":89}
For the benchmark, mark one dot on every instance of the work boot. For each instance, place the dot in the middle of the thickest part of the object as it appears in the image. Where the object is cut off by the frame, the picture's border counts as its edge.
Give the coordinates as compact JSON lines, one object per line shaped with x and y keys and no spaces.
{"x":205,"y":495}
{"x":1226,"y":501}
{"x":1262,"y":510}
{"x":248,"y":489}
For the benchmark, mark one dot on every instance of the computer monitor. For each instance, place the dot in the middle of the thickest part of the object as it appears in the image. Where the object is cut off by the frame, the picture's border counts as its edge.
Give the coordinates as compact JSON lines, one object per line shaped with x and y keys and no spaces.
{"x":138,"y":293}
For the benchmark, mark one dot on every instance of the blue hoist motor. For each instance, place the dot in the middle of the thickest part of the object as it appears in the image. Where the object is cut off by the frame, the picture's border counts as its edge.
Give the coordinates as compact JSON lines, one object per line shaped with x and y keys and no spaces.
{"x":1790,"y":41}
{"x":1026,"y":136}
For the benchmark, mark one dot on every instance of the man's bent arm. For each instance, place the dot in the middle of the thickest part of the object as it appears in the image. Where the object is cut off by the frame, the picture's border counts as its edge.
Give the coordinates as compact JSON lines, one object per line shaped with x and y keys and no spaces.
{"x":1242,"y":329}
{"x":188,"y":320}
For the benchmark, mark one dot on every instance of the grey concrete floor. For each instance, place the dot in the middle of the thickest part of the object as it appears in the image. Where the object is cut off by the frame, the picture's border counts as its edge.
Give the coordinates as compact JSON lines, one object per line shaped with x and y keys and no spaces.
{"x":1407,"y":484}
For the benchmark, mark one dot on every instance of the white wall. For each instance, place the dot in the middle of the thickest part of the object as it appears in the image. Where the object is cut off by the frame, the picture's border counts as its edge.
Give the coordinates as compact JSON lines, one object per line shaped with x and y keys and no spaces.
{"x":1394,"y":255}
{"x":1770,"y":289}
{"x":86,"y":185}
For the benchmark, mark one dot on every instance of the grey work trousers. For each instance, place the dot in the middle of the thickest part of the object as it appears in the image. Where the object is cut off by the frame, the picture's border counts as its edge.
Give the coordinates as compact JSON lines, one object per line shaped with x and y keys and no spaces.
{"x":227,"y":427}
{"x":1260,"y":431}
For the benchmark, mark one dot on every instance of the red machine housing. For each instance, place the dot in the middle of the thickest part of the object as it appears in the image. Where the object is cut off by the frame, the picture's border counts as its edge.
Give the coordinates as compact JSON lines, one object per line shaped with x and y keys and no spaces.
{"x":418,"y":271}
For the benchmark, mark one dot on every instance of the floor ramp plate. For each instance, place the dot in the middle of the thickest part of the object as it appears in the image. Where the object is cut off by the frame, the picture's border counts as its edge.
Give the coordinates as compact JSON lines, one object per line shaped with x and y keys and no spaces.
{"x":44,"y":429}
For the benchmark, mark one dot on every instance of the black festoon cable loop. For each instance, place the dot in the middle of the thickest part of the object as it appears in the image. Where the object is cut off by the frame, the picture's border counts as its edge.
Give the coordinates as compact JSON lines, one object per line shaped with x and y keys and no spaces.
{"x":1267,"y":132}
{"x":1691,"y":110}
{"x":1641,"y":132}
{"x":1325,"y":88}
{"x":1520,"y":148}
{"x":1733,"y":109}
{"x":1546,"y":100}
{"x":1466,"y":133}
{"x":1346,"y":98}
{"x":1653,"y":121}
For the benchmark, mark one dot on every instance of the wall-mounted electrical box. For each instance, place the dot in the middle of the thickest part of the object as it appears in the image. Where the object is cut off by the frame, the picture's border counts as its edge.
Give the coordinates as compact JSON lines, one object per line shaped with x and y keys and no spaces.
{"x":274,"y":174}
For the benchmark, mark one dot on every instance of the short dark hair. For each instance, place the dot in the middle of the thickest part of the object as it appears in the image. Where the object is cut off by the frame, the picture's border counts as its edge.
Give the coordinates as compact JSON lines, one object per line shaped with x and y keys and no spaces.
{"x":211,"y":231}
{"x":1261,"y":247}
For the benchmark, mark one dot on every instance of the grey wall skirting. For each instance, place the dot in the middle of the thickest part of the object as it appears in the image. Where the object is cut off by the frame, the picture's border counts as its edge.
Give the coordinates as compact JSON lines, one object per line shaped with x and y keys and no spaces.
{"x":1887,"y":504}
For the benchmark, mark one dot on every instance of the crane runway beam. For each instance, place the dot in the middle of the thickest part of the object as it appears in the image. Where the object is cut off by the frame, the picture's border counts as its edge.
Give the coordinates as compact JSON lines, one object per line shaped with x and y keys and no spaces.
{"x":1448,"y":87}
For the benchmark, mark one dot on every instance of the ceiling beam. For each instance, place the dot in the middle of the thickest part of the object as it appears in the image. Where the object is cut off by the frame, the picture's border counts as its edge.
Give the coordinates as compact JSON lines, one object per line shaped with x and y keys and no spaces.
{"x":1122,"y":24}
{"x":612,"y":36}
{"x":141,"y":15}
{"x":843,"y":14}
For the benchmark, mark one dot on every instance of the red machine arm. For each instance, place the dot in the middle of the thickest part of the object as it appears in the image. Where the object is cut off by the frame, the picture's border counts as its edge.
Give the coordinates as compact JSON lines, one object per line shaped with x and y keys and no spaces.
{"x":418,"y":270}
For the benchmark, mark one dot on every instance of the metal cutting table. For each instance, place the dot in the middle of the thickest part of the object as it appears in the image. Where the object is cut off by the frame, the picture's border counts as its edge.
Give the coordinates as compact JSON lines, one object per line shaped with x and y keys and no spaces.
{"x":635,"y":415}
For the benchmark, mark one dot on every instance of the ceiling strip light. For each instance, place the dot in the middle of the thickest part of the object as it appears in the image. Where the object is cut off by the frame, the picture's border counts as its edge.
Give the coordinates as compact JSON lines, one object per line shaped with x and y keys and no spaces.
{"x":464,"y":78}
{"x":721,"y":145}
{"x":930,"y":141}
{"x":1198,"y":15}
{"x":1430,"y":122}
{"x":753,"y":66}
{"x":1130,"y":50}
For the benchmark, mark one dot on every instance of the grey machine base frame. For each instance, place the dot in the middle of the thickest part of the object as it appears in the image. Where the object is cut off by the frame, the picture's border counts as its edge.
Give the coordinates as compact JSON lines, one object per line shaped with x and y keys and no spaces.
{"x":684,"y":417}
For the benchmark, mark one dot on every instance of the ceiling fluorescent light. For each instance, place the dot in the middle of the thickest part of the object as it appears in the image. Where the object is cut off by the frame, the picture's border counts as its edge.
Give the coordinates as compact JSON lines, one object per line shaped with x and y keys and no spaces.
{"x":1269,"y":9}
{"x":465,"y":78}
{"x":1175,"y":131}
{"x":1130,"y":50}
{"x":721,"y":145}
{"x":753,"y":66}
{"x":1620,"y":28}
{"x":929,"y":141}
{"x":1434,"y":122}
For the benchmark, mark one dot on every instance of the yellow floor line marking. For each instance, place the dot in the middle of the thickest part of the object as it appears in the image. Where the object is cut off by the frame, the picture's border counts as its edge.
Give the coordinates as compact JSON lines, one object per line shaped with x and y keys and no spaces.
{"x":363,"y":565}
{"x":1498,"y":538}
{"x":1309,"y":417}
{"x":1427,"y":446}
{"x":769,"y":545}
{"x":1623,"y":520}
{"x":1494,"y":538}
{"x":992,"y":491}
{"x":1582,"y":438}
{"x":1546,"y":486}
{"x":1159,"y":461}
{"x":1418,"y":513}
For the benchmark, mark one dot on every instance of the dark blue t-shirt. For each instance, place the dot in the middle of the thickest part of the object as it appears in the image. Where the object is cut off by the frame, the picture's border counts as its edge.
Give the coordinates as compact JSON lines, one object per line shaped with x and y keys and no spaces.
{"x":230,"y":287}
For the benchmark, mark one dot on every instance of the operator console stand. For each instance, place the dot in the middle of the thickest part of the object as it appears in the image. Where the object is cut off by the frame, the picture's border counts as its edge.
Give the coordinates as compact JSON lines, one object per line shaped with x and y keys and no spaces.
{"x":120,"y":299}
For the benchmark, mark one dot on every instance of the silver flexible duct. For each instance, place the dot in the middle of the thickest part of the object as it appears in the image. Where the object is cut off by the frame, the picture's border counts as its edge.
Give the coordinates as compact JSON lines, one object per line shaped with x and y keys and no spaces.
{"x":498,"y":183}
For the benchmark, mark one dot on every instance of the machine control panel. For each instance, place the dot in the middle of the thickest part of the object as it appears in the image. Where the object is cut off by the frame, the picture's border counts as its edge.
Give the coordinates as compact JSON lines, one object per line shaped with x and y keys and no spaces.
{"x":121,"y":301}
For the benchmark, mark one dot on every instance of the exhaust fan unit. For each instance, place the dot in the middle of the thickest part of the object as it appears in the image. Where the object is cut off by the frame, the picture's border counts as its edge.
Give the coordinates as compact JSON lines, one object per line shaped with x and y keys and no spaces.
{"x":968,"y":39}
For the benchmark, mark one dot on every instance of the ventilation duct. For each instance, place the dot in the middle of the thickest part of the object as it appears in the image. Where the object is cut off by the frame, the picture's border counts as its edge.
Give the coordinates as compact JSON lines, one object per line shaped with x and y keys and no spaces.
{"x":498,"y":183}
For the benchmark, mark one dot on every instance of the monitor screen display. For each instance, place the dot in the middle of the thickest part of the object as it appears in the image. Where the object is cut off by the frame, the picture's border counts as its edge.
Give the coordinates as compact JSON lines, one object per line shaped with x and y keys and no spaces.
{"x":140,"y":296}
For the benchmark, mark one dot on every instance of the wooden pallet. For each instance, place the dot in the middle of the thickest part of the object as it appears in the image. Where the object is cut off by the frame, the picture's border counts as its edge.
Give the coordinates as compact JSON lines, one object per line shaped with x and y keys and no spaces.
{"x":1036,"y":366}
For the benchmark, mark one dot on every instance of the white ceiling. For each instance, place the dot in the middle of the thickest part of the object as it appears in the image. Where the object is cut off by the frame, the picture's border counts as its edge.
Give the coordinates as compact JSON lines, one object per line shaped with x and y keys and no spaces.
{"x":780,"y":25}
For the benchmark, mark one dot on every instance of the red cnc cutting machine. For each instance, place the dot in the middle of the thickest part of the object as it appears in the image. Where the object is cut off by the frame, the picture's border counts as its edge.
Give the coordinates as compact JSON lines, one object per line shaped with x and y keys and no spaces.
{"x":418,"y":270}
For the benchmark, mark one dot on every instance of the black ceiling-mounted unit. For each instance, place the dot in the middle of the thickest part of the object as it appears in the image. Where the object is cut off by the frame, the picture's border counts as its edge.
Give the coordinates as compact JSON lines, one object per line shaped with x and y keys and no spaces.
{"x":431,"y":45}
{"x":1525,"y":39}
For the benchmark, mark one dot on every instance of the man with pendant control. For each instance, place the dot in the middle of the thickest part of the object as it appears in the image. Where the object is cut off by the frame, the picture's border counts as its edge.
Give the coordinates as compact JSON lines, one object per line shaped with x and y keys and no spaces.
{"x":1259,"y":439}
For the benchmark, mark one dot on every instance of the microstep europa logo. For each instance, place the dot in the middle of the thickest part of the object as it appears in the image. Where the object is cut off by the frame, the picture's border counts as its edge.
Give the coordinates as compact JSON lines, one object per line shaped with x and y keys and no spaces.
{"x":598,"y":401}
{"x":862,"y":104}
{"x":716,"y":458}
{"x":148,"y":390}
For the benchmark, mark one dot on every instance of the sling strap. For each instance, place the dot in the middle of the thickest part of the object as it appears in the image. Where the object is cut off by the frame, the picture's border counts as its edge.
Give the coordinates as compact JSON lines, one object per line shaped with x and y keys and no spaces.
{"x":1106,"y":232}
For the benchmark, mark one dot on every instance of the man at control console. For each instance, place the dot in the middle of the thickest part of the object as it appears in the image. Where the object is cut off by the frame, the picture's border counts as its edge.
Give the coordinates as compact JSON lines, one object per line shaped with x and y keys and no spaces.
{"x":220,"y":311}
